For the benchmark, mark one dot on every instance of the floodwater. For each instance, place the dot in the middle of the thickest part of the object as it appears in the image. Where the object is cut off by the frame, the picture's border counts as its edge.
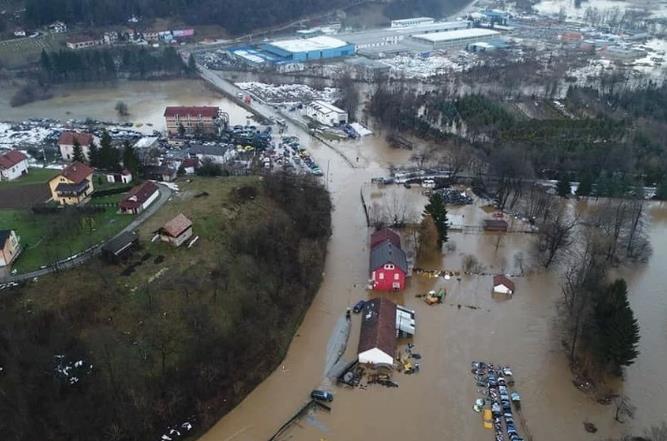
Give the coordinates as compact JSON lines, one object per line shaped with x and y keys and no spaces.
{"x":437,"y":402}
{"x":146,"y":101}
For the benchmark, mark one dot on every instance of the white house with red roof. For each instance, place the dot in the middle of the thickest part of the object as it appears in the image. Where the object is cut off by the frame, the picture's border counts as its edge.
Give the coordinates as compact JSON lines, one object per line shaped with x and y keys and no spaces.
{"x":13,"y":164}
{"x":139,"y":198}
{"x":67,"y":140}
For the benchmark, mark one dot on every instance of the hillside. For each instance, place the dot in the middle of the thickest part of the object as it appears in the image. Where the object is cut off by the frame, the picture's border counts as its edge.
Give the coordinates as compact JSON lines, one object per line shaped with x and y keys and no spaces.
{"x":174,"y":336}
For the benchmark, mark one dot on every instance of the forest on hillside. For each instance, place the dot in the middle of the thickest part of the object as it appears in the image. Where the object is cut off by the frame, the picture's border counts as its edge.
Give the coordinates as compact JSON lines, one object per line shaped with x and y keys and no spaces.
{"x":236,"y":16}
{"x":175,"y":337}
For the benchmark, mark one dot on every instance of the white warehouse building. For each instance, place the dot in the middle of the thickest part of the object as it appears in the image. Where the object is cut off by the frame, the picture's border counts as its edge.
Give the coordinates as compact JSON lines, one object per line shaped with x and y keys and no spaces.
{"x":457,"y":38}
{"x":326,"y":113}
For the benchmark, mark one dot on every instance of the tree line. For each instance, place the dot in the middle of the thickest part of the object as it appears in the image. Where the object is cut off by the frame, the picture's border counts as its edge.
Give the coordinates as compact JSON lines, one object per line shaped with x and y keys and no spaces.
{"x":610,"y":151}
{"x":111,"y":63}
{"x":236,"y":16}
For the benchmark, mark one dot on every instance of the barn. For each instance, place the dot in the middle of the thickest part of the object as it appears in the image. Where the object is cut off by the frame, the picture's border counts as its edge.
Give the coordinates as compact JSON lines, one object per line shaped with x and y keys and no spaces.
{"x":502,"y":285}
{"x":388,"y":267}
{"x":377,"y":338}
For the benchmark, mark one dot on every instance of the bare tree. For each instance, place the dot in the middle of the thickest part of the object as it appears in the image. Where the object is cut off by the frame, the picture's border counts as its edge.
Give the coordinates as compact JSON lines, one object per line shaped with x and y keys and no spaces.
{"x":555,"y":237}
{"x":580,"y":282}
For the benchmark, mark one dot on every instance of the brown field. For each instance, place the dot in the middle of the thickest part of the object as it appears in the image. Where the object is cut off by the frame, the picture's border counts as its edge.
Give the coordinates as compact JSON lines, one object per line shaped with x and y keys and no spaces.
{"x":24,"y":196}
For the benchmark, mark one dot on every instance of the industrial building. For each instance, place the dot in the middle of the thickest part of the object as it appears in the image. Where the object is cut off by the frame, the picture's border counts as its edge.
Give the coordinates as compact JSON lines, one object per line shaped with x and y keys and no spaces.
{"x":309,"y":49}
{"x":379,"y":42}
{"x":457,"y":38}
{"x":404,"y":22}
{"x":327,"y":114}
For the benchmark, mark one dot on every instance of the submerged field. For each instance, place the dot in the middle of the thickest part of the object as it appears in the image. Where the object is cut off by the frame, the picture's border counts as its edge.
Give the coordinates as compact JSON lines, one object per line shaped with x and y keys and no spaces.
{"x":172,"y":335}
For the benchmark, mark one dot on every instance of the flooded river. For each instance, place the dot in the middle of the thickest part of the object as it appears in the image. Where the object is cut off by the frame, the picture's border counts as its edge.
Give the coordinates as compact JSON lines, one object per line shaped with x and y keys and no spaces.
{"x":437,"y":402}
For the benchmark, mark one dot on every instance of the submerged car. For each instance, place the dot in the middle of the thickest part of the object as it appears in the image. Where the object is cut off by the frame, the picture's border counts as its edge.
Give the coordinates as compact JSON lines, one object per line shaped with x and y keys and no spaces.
{"x":359,"y":306}
{"x":321,"y":395}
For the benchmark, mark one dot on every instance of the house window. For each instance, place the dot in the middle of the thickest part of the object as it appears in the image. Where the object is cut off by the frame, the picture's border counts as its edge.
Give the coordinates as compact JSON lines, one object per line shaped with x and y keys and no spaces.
{"x":396,"y":276}
{"x":381,"y":276}
{"x":389,"y":266}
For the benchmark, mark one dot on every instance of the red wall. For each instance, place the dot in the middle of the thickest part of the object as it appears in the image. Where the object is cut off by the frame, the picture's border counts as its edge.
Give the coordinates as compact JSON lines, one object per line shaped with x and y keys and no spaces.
{"x":386,"y":284}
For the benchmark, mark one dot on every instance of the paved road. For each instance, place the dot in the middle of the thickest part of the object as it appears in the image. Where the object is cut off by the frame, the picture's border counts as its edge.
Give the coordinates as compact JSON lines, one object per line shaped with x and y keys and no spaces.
{"x":81,"y":258}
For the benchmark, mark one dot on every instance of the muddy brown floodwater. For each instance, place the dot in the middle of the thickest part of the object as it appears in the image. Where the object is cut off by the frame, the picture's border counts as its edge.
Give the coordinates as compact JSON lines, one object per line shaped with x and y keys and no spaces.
{"x":146,"y":101}
{"x":437,"y":402}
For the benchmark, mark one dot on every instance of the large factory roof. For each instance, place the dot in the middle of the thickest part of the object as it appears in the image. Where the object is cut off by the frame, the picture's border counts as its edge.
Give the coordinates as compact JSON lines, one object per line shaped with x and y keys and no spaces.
{"x":320,"y":43}
{"x":456,"y":35}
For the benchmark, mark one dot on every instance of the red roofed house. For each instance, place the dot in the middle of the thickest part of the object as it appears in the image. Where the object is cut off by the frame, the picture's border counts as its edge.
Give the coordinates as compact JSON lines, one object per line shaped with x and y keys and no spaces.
{"x":66,"y":144}
{"x":73,"y":185}
{"x":377,"y":338}
{"x":385,"y":234}
{"x":177,"y":230}
{"x":13,"y":164}
{"x":502,"y":285}
{"x":194,"y":118}
{"x":139,"y":198}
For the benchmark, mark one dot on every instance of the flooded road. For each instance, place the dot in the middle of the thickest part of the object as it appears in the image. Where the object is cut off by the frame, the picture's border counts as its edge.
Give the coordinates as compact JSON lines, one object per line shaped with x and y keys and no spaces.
{"x":437,"y":402}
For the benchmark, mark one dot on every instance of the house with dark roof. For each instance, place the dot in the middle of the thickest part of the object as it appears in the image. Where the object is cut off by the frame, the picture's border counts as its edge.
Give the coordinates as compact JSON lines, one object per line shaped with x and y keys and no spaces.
{"x":377,"y":338}
{"x":191,"y":119}
{"x":73,"y":185}
{"x":120,"y":247}
{"x":176,"y":231}
{"x":385,"y":234}
{"x":502,"y":285}
{"x":10,"y":247}
{"x":388,"y":267}
{"x":67,"y":140}
{"x":13,"y":164}
{"x":139,"y":198}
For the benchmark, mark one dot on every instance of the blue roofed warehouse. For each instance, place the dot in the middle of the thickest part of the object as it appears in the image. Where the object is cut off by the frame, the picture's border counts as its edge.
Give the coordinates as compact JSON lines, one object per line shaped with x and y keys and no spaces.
{"x":309,"y":49}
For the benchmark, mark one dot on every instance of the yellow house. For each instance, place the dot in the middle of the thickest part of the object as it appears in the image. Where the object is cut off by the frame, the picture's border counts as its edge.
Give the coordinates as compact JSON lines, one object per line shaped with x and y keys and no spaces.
{"x":73,"y":185}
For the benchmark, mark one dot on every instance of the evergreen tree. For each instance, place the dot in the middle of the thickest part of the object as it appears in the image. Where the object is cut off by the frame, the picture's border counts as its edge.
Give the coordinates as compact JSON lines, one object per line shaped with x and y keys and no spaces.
{"x":661,"y":191}
{"x":563,"y":187}
{"x":130,"y":159}
{"x":616,"y":331}
{"x":437,"y":210}
{"x":45,"y":64}
{"x":94,"y":155}
{"x":192,"y":64}
{"x":109,"y":158}
{"x":77,"y":154}
{"x":585,"y":185}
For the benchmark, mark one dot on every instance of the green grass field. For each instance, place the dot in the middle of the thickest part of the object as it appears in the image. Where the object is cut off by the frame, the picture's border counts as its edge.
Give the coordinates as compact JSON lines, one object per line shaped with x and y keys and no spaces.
{"x":34,"y":176}
{"x":47,"y":238}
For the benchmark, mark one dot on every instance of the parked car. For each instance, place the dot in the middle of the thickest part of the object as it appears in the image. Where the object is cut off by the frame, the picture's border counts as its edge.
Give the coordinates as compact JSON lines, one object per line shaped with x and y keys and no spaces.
{"x":322,"y":395}
{"x":359,"y":306}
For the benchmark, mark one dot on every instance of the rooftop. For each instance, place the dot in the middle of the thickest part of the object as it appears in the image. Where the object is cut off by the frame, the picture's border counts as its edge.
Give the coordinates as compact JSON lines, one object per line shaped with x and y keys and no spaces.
{"x":206,"y":111}
{"x":67,"y":138}
{"x":386,"y":252}
{"x":378,"y":326}
{"x":177,"y":225}
{"x":146,"y":141}
{"x":138,"y":195}
{"x":324,"y":107}
{"x":11,"y":158}
{"x":76,"y":172}
{"x":459,"y":34}
{"x":309,"y":44}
